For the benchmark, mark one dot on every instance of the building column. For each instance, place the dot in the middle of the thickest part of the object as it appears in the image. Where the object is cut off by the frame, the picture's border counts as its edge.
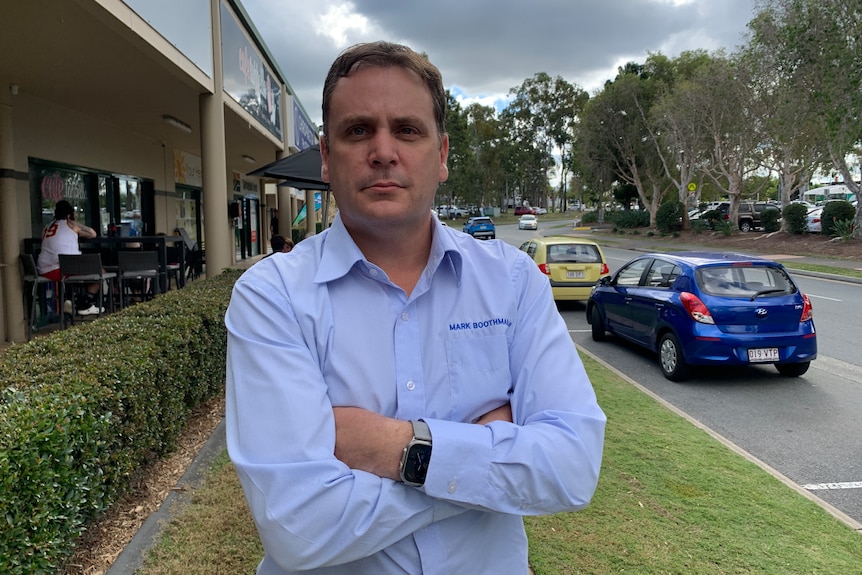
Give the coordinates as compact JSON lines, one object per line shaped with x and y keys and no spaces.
{"x":310,"y":214}
{"x":12,"y":320}
{"x":218,"y":229}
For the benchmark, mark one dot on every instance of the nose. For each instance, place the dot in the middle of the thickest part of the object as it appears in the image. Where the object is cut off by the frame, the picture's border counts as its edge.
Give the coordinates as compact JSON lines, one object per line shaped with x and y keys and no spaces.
{"x":383,"y":149}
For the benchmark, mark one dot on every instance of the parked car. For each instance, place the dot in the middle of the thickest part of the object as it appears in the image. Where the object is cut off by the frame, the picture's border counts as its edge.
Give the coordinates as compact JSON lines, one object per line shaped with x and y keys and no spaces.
{"x":452,"y":212}
{"x":700,"y":308}
{"x":528,"y":222}
{"x":812,"y":220}
{"x":573,"y":265}
{"x":481,"y":227}
{"x":750,"y":213}
{"x":521,"y":210}
{"x":540,"y":211}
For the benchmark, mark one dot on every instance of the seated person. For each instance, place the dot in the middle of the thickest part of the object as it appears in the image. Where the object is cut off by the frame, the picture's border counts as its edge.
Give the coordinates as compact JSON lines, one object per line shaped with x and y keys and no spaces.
{"x":280,"y":244}
{"x":61,"y":237}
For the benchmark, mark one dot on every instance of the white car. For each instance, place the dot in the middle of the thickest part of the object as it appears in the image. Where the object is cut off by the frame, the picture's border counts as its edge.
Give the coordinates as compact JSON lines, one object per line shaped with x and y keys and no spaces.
{"x":540,"y":211}
{"x":528,"y":222}
{"x":812,"y":220}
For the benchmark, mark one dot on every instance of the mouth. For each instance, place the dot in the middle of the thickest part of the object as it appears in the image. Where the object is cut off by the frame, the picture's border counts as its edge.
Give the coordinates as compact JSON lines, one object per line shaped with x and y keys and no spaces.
{"x":384,"y":186}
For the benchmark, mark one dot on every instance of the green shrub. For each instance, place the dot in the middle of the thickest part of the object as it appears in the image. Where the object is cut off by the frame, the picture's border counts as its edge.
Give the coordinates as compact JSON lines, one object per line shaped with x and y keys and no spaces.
{"x":794,"y":216}
{"x":81,"y":410}
{"x":843,"y":229}
{"x":711,"y":218}
{"x":723,"y":226}
{"x":631,"y":219}
{"x":835,"y":212}
{"x":669,"y":216}
{"x":590,"y":217}
{"x":770,"y":220}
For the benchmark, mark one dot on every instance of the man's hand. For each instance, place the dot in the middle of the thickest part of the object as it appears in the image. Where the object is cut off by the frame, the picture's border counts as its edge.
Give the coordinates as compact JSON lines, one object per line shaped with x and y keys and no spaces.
{"x":370,"y":442}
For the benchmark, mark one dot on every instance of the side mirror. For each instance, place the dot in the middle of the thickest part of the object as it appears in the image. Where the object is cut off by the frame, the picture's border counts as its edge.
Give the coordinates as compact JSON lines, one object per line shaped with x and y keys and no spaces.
{"x":605,"y":281}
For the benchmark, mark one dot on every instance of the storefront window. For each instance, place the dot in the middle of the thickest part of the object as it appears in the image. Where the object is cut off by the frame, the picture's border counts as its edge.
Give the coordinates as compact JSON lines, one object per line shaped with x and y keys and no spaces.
{"x":54,"y":184}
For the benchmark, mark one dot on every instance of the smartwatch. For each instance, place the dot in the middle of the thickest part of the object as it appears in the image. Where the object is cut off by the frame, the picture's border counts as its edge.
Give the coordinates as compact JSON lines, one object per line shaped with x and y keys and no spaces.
{"x":417,"y":455}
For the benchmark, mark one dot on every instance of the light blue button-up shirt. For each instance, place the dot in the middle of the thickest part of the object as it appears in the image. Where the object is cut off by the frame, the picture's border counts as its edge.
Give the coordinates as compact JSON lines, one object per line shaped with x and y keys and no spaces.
{"x":322,"y":327}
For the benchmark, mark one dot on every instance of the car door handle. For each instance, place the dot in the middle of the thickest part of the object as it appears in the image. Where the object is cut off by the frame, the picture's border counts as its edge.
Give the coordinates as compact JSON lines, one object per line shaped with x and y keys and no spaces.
{"x":627,"y":299}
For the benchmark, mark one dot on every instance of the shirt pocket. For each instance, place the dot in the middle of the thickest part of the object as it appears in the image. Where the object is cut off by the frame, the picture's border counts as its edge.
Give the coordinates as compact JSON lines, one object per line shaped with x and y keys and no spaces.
{"x":479,"y":375}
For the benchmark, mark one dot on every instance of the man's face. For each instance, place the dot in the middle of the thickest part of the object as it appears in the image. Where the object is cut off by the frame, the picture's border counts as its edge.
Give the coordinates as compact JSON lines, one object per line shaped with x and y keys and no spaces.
{"x":383,"y":156}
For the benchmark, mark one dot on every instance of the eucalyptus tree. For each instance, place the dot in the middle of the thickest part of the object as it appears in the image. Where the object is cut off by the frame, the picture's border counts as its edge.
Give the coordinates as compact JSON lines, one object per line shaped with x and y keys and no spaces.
{"x":485,"y":137}
{"x":462,"y":158}
{"x":543,"y":113}
{"x":789,"y":134}
{"x":817,"y":43}
{"x":614,"y":133}
{"x":714,"y":111}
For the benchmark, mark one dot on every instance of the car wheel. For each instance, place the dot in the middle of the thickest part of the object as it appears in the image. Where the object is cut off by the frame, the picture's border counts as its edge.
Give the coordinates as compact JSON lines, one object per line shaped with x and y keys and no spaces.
{"x":597,"y":325}
{"x":792,"y":369}
{"x":670,"y":358}
{"x":745,"y":226}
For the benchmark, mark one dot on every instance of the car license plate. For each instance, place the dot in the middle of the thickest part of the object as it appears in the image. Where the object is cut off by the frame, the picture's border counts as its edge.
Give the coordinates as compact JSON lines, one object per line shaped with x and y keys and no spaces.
{"x":574,"y":275}
{"x":763,"y":354}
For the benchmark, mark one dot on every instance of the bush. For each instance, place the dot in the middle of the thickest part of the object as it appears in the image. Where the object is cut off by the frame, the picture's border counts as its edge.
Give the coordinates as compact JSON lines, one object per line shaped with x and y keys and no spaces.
{"x":835,"y":212}
{"x":590,"y":217}
{"x":631,"y":219}
{"x":770,"y":220}
{"x":669,"y":216}
{"x":81,"y":410}
{"x":794,"y":216}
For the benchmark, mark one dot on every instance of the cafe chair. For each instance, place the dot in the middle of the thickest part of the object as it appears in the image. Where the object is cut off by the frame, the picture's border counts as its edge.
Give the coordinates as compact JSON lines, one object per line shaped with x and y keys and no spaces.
{"x":32,"y":280}
{"x":78,"y":271}
{"x":134,"y":266}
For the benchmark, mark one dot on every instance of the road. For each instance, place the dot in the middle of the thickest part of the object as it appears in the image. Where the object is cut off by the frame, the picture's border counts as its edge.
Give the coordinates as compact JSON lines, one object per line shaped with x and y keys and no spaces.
{"x":806,"y":428}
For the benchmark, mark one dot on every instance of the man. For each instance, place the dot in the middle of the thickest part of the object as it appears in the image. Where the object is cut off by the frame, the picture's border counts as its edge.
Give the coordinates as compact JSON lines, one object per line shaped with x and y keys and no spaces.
{"x":399,"y":394}
{"x":61,"y":237}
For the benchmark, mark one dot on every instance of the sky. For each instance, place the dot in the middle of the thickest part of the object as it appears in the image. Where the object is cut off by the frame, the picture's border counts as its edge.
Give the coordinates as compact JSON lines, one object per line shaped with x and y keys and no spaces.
{"x":485,"y":48}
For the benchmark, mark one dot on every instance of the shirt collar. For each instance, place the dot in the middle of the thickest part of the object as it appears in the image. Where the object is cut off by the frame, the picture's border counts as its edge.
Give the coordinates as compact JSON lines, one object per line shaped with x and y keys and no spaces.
{"x":340,"y":253}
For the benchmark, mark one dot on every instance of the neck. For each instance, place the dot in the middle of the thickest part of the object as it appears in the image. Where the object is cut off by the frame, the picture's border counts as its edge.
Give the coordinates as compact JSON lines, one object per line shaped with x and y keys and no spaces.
{"x":402,"y":255}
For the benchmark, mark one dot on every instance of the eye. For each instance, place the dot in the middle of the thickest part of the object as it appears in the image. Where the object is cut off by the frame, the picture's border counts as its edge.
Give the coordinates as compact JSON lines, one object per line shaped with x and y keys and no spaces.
{"x":357,"y":131}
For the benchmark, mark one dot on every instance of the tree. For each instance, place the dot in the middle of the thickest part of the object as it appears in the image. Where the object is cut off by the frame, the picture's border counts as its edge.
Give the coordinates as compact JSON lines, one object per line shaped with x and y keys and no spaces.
{"x":543,"y":113}
{"x":713,"y":114}
{"x":816,"y":45}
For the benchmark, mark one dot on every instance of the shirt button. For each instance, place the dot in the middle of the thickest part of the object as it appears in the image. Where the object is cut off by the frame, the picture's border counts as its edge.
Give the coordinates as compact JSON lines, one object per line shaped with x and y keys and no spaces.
{"x":453,"y":487}
{"x":405,"y":316}
{"x":411,"y":386}
{"x":373,"y":272}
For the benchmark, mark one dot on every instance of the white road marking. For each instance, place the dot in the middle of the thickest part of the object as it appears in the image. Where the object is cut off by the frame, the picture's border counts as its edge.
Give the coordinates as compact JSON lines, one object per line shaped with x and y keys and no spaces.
{"x":844,"y":485}
{"x":822,"y":297}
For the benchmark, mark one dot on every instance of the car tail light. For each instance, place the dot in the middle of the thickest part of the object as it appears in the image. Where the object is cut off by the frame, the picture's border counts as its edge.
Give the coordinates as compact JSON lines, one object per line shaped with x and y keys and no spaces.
{"x":545,"y":269}
{"x":605,"y":269}
{"x":807,"y":310}
{"x":696,"y":308}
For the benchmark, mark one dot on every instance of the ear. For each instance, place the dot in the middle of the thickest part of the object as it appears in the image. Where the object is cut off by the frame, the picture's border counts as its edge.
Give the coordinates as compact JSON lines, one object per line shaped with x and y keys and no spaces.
{"x":444,"y":157}
{"x":324,"y":160}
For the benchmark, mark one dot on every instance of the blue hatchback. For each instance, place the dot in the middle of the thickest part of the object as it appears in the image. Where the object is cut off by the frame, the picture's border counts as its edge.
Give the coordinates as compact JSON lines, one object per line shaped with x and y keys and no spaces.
{"x":700,"y":308}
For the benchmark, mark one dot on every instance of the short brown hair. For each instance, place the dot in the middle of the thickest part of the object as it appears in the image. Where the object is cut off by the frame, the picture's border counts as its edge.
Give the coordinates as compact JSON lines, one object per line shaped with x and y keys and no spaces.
{"x":384,"y":55}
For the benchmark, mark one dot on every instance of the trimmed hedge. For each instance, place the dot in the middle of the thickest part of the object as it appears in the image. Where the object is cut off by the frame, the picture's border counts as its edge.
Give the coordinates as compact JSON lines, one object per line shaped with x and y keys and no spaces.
{"x":794,"y":216}
{"x":82,"y":410}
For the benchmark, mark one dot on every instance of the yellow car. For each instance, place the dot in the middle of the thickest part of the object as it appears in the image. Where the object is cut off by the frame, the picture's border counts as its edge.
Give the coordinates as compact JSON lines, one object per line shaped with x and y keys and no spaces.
{"x":573,"y":265}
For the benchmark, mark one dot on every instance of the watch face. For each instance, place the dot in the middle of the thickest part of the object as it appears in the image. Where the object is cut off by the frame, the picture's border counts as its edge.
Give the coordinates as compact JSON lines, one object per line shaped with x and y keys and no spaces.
{"x":416,"y":463}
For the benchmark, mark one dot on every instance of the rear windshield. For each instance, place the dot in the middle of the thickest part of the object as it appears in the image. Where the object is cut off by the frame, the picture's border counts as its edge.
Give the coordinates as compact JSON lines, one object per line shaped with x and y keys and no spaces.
{"x":744,"y":281}
{"x":482,"y":220}
{"x":573,"y":253}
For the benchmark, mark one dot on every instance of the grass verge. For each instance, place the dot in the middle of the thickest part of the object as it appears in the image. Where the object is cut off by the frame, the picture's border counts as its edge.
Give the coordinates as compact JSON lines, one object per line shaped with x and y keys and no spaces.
{"x":671,"y":499}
